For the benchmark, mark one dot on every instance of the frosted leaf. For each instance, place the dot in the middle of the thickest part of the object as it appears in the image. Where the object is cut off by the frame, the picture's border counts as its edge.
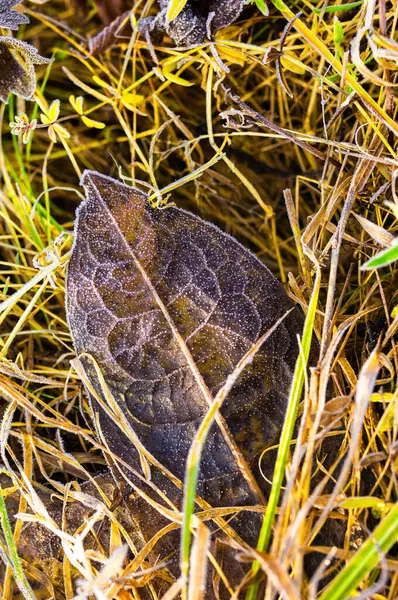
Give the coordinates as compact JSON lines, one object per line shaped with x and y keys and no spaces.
{"x":198,"y":19}
{"x":151,"y":292}
{"x":11,"y":19}
{"x":17,"y":72}
{"x":109,"y":36}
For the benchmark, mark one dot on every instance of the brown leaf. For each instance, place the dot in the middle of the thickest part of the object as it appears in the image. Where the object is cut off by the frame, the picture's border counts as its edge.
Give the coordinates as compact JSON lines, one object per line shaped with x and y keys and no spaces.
{"x":9,"y":18}
{"x":17,"y":71}
{"x":198,"y":19}
{"x":193,"y":25}
{"x":334,"y":408}
{"x":162,"y":306}
{"x":110,"y":35}
{"x":42,"y":547}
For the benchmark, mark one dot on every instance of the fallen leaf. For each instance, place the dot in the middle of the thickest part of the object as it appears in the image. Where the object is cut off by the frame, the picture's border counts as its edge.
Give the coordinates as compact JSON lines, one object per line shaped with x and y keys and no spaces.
{"x":197,"y":20}
{"x":162,"y":306}
{"x":9,"y":18}
{"x":17,"y":60}
{"x":117,"y":31}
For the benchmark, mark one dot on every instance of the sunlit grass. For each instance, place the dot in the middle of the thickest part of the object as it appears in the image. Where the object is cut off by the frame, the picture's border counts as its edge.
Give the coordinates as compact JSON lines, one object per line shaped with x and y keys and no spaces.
{"x":226,"y":146}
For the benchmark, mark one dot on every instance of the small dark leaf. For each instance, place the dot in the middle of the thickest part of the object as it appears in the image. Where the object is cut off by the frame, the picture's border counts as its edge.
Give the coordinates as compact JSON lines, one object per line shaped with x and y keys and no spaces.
{"x":154,"y":295}
{"x":17,"y":72}
{"x":270,"y":55}
{"x":11,"y":19}
{"x":198,"y":19}
{"x":110,"y":35}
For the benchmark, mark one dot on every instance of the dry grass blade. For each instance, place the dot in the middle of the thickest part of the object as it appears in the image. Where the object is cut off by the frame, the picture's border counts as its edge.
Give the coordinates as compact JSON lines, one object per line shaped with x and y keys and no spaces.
{"x":198,"y":563}
{"x":365,"y":386}
{"x":379,"y":234}
{"x":304,"y":175}
{"x":194,"y":456}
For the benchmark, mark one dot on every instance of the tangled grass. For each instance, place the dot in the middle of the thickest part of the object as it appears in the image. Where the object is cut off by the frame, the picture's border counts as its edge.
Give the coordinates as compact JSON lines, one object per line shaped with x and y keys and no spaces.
{"x":283,"y":131}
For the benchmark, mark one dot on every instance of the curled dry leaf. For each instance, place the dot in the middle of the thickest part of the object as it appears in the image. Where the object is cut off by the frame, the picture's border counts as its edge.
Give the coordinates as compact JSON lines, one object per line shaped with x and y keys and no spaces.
{"x":17,"y":71}
{"x":9,"y":18}
{"x":161,"y":307}
{"x":334,"y":408}
{"x":113,"y":33}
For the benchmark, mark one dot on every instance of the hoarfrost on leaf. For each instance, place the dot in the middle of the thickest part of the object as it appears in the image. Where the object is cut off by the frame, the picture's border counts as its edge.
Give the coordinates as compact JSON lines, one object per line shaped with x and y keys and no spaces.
{"x":9,"y":18}
{"x":162,"y":306}
{"x":17,"y":71}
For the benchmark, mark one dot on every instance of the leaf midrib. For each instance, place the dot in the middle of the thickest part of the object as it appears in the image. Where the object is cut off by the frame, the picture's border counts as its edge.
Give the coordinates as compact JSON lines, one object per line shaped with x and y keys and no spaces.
{"x":207,"y":396}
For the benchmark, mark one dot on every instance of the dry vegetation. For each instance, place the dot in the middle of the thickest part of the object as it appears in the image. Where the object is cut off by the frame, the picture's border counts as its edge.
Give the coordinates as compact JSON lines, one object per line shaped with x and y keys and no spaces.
{"x":283,"y":132}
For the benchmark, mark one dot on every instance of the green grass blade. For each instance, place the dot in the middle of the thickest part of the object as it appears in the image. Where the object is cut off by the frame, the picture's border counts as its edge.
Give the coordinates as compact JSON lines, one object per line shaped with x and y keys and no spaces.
{"x":15,"y":561}
{"x":195,"y":452}
{"x":286,"y":435}
{"x":381,"y":259}
{"x":367,"y":557}
{"x":338,"y":7}
{"x":17,"y":150}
